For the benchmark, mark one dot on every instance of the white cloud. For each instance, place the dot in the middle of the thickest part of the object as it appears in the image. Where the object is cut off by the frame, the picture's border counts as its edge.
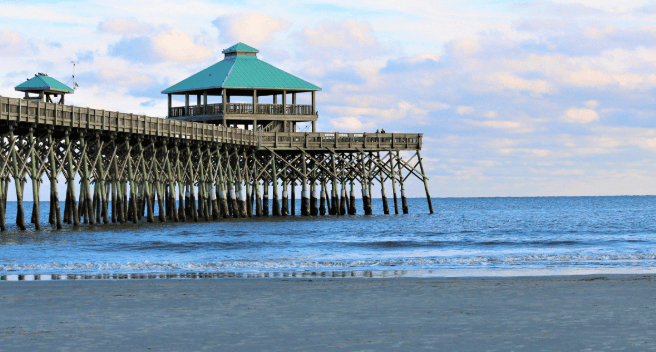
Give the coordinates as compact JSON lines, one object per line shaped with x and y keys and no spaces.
{"x":346,"y":34}
{"x":176,"y":46}
{"x":509,"y":81}
{"x":253,"y":29}
{"x":13,"y":44}
{"x":465,"y":110}
{"x":466,"y":46}
{"x":125,"y":79}
{"x":490,"y":114}
{"x":576,"y":115}
{"x":120,"y":25}
{"x":592,"y":104}
{"x":510,"y":126}
{"x":402,"y":110}
{"x":352,"y":124}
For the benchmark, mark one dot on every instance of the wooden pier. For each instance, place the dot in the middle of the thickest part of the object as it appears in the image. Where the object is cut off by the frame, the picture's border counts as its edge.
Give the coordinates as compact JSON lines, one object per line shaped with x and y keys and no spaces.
{"x":195,"y":171}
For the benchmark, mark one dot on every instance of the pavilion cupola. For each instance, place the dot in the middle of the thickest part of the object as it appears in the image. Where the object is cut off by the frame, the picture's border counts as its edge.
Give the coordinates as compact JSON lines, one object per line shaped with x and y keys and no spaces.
{"x":242,"y":74}
{"x":240,"y":49}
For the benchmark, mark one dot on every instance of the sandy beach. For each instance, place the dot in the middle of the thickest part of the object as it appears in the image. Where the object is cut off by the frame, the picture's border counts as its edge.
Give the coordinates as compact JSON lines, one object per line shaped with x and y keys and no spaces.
{"x":559,"y":313}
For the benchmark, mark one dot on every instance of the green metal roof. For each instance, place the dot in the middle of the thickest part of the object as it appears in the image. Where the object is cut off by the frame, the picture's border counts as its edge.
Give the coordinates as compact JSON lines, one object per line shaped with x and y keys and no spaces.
{"x":241,"y":72}
{"x":240,"y":47}
{"x":40,"y":82}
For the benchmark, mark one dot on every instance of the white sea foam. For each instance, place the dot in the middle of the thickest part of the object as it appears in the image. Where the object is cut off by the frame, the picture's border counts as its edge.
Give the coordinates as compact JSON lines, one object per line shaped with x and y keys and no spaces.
{"x":277,"y":264}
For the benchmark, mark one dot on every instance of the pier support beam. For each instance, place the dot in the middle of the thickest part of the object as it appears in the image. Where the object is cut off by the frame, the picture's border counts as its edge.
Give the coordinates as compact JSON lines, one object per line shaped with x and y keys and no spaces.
{"x":241,"y":194}
{"x":305,"y":200}
{"x":423,"y":175}
{"x":404,"y":201}
{"x":392,"y":177}
{"x":285,"y":198}
{"x":54,"y":196}
{"x":20,"y":215}
{"x":71,"y":182}
{"x":256,"y":185}
{"x":293,"y":201}
{"x":274,"y":173}
{"x":36,"y":209}
{"x":383,"y":195}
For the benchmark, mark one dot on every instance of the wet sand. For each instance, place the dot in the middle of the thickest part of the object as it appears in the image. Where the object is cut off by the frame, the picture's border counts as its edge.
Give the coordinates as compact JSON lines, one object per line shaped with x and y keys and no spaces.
{"x":559,"y":313}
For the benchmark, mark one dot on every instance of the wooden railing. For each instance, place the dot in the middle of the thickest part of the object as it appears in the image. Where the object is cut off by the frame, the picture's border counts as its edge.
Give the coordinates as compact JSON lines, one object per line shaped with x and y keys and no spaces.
{"x":48,"y":114}
{"x":241,"y":108}
{"x":336,"y":140}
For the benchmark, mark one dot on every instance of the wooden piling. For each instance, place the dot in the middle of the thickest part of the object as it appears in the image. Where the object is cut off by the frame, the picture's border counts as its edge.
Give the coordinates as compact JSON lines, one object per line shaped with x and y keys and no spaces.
{"x":241,"y":194}
{"x":334,"y":209}
{"x":3,"y":226}
{"x":393,"y":178}
{"x":285,"y":198}
{"x":36,"y":212}
{"x":327,"y":195}
{"x":203,"y":191}
{"x":423,"y":175}
{"x":265,"y":197}
{"x":322,"y":202}
{"x":71,"y":182}
{"x":224,"y":206}
{"x":383,"y":195}
{"x":350,"y":201}
{"x":182,"y":215}
{"x":247,"y":184}
{"x":342,"y":200}
{"x":171,"y":184}
{"x":276,"y":203}
{"x":85,"y":182}
{"x":232,"y":201}
{"x":192,"y":191}
{"x":404,"y":201}
{"x":305,"y":199}
{"x":213,"y":188}
{"x":258,"y":200}
{"x":366,"y":196}
{"x":314,"y":209}
{"x":293,"y":201}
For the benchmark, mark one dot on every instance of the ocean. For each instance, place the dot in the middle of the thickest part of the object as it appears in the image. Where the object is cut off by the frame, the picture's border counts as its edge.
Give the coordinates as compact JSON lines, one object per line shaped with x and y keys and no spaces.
{"x":464,"y":237}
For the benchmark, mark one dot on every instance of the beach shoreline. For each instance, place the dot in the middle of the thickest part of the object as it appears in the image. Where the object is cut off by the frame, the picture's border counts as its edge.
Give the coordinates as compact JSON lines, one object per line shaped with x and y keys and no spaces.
{"x":564,"y":312}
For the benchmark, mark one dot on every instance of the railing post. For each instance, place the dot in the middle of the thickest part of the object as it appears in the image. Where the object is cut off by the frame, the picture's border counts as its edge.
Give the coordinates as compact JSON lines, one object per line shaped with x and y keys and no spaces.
{"x":284,"y":102}
{"x":255,"y":101}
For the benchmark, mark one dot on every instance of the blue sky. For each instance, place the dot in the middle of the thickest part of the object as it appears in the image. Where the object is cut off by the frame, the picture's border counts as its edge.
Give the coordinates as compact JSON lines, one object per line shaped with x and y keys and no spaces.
{"x":530,"y":98}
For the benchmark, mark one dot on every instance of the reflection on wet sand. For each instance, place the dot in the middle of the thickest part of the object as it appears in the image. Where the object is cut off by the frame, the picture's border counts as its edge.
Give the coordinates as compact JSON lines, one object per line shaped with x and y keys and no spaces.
{"x":216,"y":275}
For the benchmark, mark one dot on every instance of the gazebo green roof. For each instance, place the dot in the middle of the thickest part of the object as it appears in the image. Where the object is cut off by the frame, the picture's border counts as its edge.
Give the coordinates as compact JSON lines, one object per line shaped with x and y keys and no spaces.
{"x":41,"y":82}
{"x":240,"y":47}
{"x":241,"y":71}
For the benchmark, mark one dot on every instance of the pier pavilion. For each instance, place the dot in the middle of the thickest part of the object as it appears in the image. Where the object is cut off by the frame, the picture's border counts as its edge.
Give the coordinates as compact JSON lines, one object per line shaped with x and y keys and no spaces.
{"x":242,"y":74}
{"x":45,"y":88}
{"x":214,"y":160}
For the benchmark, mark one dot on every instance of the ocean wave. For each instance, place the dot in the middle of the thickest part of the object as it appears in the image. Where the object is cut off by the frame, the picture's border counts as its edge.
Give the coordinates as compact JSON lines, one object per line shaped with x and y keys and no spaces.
{"x":146,"y":266}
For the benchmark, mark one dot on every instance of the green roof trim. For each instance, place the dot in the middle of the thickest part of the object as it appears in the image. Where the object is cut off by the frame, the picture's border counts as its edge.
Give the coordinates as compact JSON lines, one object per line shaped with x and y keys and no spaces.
{"x":41,"y":82}
{"x":240,"y":47}
{"x":241,"y":72}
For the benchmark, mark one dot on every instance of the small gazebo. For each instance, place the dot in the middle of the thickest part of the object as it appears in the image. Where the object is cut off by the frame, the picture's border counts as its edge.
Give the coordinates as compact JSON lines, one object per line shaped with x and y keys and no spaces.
{"x":45,"y":88}
{"x":241,"y":73}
